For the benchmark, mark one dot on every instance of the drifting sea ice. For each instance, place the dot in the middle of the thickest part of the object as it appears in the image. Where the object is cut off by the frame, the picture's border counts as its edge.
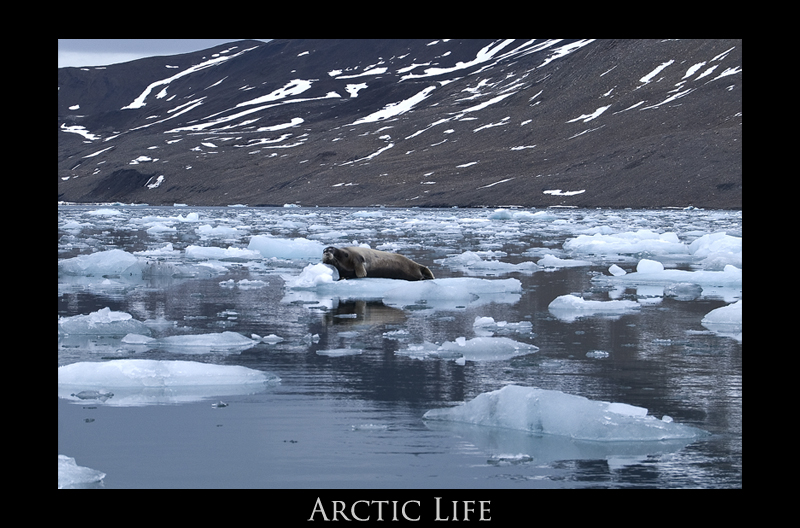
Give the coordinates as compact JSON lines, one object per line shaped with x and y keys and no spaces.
{"x":569,"y":307}
{"x":726,"y":320}
{"x":476,"y":349}
{"x":215,"y":253}
{"x":643,"y":240}
{"x":135,"y":382}
{"x":653,"y":272}
{"x":712,"y":251}
{"x":436,"y":294}
{"x":228,"y":342}
{"x":486,"y":326}
{"x":312,"y":276}
{"x":282,"y":248}
{"x":551,"y":261}
{"x":550,"y":412}
{"x":71,"y":475}
{"x":717,"y":250}
{"x":471,"y":263}
{"x":538,"y":216}
{"x":102,"y":322}
{"x":111,"y":262}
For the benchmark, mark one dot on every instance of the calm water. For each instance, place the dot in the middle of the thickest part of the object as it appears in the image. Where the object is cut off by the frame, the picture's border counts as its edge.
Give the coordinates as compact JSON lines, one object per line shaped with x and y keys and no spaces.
{"x":355,"y":420}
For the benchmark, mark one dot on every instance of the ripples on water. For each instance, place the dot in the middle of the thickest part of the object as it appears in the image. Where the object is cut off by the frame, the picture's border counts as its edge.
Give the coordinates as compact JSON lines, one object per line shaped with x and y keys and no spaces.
{"x":341,"y":419}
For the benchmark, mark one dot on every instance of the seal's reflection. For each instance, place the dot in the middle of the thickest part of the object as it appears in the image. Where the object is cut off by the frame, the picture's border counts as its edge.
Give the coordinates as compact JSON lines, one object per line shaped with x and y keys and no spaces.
{"x":372,"y":313}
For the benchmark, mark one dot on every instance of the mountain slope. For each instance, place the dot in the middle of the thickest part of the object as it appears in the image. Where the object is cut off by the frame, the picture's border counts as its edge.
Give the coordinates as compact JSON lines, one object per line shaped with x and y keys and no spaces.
{"x":617,"y":123}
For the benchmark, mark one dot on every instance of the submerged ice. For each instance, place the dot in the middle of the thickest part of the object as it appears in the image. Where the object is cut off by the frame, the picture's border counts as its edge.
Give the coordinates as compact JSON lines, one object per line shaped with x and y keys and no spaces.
{"x":549,"y":412}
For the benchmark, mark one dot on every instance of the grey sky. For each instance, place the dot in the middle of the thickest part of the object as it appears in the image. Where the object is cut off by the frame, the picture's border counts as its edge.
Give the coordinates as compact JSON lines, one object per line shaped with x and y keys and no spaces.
{"x":101,"y":52}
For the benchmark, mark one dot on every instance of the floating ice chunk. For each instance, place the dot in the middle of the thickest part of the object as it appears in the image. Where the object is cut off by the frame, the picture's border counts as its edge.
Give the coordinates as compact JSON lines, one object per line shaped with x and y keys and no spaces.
{"x":167,"y":251}
{"x":74,"y":225}
{"x":501,"y":214}
{"x":447,"y":292}
{"x":312,"y":276}
{"x":270,"y":339}
{"x":158,"y":228}
{"x":137,"y":339}
{"x":569,"y":307}
{"x":616,"y":270}
{"x":147,"y":381}
{"x":71,"y":475}
{"x":726,"y":320}
{"x":486,"y":326}
{"x":649,"y":266}
{"x":102,"y":322}
{"x":731,"y":314}
{"x":215,"y":253}
{"x":476,"y":349}
{"x":640,"y":241}
{"x":338,"y":352}
{"x":683,"y":291}
{"x":283,"y":248}
{"x":105,"y":212}
{"x":485,"y":348}
{"x":472,"y":264}
{"x":190,"y":217}
{"x":522,"y":216}
{"x":228,"y":342}
{"x":551,"y":261}
{"x":218,"y":231}
{"x":653,"y":272}
{"x":112,"y":262}
{"x":246,"y":284}
{"x":549,"y":412}
{"x":718,"y":250}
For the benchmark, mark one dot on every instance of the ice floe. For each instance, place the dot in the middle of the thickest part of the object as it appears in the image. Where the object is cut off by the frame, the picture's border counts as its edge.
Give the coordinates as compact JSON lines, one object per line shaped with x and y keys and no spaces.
{"x":550,"y":412}
{"x":134,"y":382}
{"x":471,"y":263}
{"x":569,"y":307}
{"x":104,"y":322}
{"x":72,"y":476}
{"x":476,"y":349}
{"x":111,"y":262}
{"x":448,"y":293}
{"x":726,"y":321}
{"x":224,"y":342}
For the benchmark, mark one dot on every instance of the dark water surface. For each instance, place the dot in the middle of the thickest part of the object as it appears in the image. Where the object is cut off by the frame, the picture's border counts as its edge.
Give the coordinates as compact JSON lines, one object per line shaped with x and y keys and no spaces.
{"x":354,"y":420}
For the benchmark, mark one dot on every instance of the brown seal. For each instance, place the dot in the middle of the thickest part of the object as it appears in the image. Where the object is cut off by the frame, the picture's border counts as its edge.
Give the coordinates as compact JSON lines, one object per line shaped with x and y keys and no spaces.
{"x":358,"y":262}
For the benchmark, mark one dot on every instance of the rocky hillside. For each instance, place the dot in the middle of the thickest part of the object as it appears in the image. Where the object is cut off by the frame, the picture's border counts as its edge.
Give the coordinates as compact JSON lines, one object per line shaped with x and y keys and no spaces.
{"x":543,"y":122}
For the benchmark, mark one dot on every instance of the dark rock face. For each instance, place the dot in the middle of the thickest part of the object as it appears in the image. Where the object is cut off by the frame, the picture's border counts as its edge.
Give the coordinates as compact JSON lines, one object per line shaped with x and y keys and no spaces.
{"x":587,"y":123}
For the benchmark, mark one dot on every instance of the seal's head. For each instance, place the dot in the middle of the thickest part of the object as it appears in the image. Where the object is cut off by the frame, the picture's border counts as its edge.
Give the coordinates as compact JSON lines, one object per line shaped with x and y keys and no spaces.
{"x":350,"y":264}
{"x":330,"y":255}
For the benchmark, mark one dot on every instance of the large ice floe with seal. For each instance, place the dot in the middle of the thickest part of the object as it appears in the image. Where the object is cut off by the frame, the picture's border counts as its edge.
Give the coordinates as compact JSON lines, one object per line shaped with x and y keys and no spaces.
{"x":321,"y":280}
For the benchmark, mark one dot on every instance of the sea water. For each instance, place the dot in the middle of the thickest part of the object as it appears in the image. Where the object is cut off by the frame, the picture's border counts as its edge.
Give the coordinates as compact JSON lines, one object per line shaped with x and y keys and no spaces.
{"x":233,"y":359}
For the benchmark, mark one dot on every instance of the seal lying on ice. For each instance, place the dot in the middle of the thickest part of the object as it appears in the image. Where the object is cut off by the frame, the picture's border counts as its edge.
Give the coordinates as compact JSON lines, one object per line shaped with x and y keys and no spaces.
{"x":358,"y":262}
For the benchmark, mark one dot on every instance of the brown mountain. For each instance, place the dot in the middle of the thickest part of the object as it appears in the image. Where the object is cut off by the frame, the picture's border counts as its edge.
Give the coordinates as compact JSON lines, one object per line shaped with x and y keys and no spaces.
{"x":418,"y":122}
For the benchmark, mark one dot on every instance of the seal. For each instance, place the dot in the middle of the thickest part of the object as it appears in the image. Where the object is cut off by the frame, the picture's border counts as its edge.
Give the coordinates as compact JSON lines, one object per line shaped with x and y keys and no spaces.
{"x":358,"y":262}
